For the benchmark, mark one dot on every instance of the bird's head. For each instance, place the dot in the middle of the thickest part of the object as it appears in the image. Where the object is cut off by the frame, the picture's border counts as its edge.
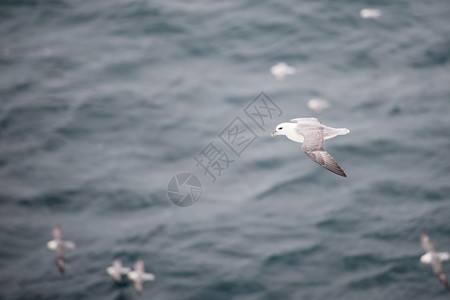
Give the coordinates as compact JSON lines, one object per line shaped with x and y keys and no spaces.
{"x":282,"y":129}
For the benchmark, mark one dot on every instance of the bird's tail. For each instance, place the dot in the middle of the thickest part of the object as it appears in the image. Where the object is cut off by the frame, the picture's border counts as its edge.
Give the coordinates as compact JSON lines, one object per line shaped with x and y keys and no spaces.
{"x":330,"y":132}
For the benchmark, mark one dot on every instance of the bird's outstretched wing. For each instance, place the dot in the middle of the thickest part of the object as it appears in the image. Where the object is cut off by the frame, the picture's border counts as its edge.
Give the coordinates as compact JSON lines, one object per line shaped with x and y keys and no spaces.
{"x":139,"y":266}
{"x":57,"y":235}
{"x":138,"y":286}
{"x":117,"y":264}
{"x":309,"y":120}
{"x":439,"y":271}
{"x":425,"y":242}
{"x":69,"y":245}
{"x":60,"y":259}
{"x":313,"y":147}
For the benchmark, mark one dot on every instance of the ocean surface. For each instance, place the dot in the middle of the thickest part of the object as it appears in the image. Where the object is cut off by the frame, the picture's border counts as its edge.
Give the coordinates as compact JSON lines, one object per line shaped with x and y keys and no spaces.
{"x":103,"y":102}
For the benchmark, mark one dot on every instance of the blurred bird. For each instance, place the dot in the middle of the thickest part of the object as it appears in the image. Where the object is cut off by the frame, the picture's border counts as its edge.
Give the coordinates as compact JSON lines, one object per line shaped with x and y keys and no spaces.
{"x":370,"y":13}
{"x":312,"y":134}
{"x":116,"y":270}
{"x":318,"y":105}
{"x":139,"y":276}
{"x":282,"y":69}
{"x":59,"y":245}
{"x":434,"y":258}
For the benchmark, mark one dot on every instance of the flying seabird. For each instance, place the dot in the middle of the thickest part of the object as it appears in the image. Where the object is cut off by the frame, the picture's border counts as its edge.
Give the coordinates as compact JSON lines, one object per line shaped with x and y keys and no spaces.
{"x":318,"y":105}
{"x":312,"y":133}
{"x":59,"y":245}
{"x":434,"y":258}
{"x":370,"y":13}
{"x":139,"y":276}
{"x":117,"y":270}
{"x":281,"y":69}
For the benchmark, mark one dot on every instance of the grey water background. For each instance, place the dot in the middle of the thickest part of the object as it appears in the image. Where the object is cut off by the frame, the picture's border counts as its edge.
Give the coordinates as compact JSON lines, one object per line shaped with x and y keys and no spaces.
{"x":102,"y":102}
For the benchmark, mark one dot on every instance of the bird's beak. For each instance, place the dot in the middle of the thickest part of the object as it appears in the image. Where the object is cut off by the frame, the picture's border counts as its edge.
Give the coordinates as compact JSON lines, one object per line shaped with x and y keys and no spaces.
{"x":273,"y":134}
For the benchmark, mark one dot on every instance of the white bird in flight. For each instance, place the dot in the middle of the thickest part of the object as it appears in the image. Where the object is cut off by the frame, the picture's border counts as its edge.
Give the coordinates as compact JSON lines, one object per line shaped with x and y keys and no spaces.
{"x":281,"y":69}
{"x":139,"y":276}
{"x":318,"y":105}
{"x":117,"y":270}
{"x":312,"y":134}
{"x":59,"y":245}
{"x":370,"y":13}
{"x":434,"y":258}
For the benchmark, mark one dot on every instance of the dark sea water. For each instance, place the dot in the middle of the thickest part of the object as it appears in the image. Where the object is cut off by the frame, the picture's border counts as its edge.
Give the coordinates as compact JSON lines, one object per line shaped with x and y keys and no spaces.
{"x":103,"y":102}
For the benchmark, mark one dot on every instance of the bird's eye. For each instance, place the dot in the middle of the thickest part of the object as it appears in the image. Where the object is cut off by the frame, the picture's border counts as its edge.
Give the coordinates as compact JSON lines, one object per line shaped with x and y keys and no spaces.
{"x":280,"y":128}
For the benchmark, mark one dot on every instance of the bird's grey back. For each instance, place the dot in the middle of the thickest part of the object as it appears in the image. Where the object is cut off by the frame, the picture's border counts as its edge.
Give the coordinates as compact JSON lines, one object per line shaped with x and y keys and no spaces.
{"x":312,"y":131}
{"x":313,"y":139}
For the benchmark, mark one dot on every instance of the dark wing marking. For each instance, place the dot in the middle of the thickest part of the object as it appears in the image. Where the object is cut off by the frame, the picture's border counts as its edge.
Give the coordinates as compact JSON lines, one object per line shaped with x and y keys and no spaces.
{"x":60,"y":259}
{"x":327,"y":161}
{"x":426,"y":243}
{"x":60,"y":264}
{"x":313,"y":147}
{"x":60,"y":256}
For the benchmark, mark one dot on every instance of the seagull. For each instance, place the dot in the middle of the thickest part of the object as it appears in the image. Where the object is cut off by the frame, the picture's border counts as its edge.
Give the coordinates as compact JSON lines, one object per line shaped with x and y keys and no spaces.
{"x":281,"y":69}
{"x":434,"y":258}
{"x":312,"y":133}
{"x":370,"y":13}
{"x":139,"y":276}
{"x":116,"y":270}
{"x":318,"y":105}
{"x":59,"y":245}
